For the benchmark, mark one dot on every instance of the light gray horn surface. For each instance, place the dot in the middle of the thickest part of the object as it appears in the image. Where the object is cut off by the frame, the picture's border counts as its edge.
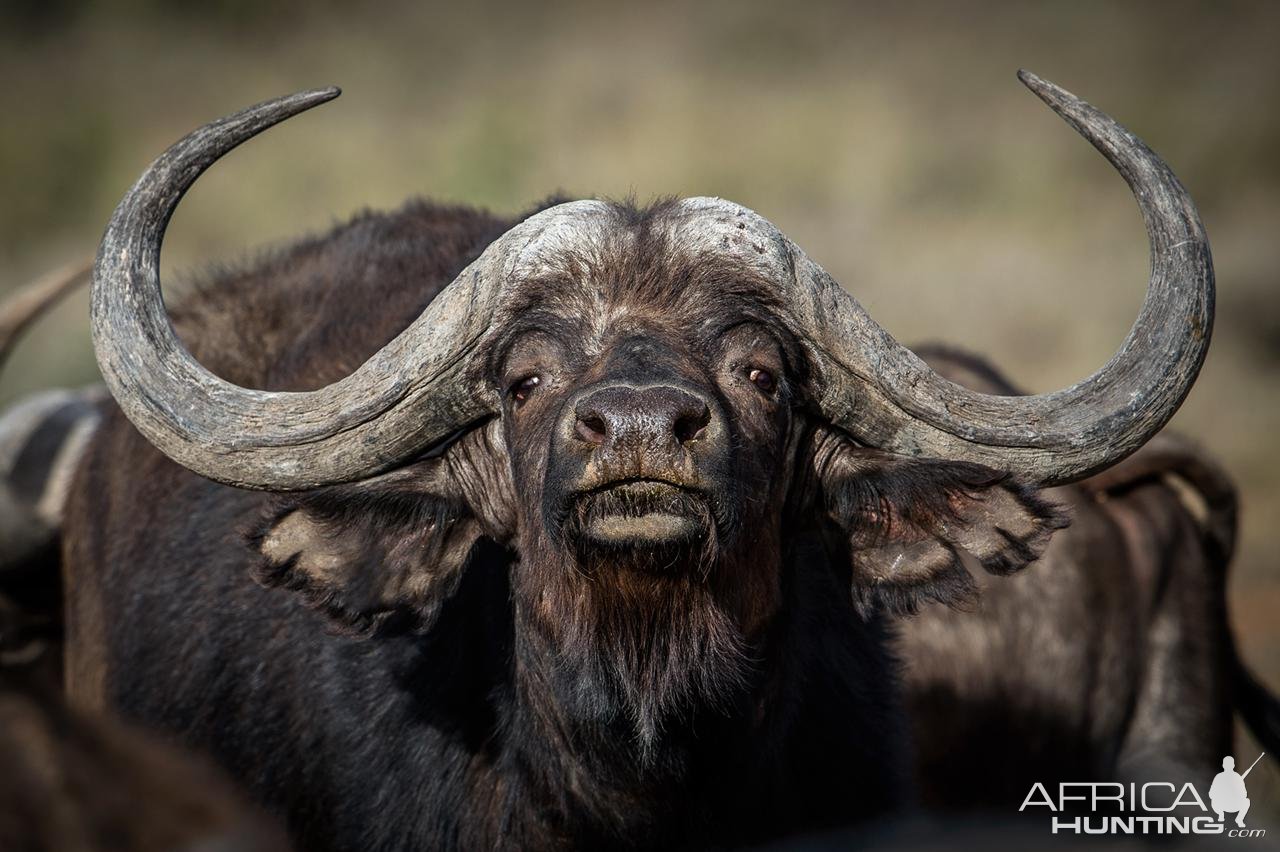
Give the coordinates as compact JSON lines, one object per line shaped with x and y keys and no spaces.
{"x":879,"y":391}
{"x":407,"y":397}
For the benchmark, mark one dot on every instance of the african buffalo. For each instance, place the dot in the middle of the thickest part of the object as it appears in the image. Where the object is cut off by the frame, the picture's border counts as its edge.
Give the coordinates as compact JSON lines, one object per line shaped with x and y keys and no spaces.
{"x":584,"y":528}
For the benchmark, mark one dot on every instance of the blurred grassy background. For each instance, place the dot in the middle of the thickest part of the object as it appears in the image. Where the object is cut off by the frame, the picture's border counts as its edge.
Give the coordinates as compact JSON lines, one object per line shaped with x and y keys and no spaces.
{"x":893,"y":143}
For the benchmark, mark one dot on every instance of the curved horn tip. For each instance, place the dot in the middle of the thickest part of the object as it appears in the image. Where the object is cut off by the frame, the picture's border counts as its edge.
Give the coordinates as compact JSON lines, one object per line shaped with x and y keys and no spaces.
{"x":287,"y":106}
{"x":271,"y":112}
{"x":1030,"y":80}
{"x":315,"y":97}
{"x":1051,"y":93}
{"x":325,"y":93}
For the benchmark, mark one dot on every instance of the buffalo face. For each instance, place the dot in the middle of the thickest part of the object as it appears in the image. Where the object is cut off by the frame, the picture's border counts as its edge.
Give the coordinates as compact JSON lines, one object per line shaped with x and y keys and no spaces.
{"x":648,"y":408}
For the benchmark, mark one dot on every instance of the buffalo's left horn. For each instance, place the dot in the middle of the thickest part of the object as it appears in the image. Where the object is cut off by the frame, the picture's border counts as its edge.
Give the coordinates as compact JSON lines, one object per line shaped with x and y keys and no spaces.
{"x":887,"y":397}
{"x":410,"y":395}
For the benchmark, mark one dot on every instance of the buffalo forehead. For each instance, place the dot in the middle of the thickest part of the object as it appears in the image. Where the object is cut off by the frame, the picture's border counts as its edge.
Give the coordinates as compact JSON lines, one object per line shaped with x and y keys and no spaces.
{"x":707,"y":227}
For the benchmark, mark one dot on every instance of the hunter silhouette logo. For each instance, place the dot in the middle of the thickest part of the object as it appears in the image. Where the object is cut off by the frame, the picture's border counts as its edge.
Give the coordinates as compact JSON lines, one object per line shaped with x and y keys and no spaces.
{"x":1154,"y":807}
{"x":1227,"y":794}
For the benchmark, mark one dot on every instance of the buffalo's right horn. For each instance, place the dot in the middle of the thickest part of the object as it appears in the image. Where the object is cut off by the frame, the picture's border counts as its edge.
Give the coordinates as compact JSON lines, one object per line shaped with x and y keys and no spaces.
{"x":410,"y":395}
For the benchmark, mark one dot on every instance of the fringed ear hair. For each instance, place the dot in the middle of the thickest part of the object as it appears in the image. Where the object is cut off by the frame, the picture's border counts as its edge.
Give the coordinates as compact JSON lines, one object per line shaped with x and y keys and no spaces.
{"x":910,"y":525}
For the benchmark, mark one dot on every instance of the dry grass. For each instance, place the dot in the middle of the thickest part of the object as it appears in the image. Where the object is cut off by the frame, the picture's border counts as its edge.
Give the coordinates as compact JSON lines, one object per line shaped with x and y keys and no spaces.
{"x":895,"y":145}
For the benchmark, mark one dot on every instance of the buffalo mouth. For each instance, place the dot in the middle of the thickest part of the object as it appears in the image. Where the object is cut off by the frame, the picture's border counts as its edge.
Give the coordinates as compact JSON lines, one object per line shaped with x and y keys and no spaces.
{"x":641,"y":513}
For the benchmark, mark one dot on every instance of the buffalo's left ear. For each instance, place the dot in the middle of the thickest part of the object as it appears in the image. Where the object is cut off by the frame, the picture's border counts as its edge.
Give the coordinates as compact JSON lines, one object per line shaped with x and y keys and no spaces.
{"x":910,"y":525}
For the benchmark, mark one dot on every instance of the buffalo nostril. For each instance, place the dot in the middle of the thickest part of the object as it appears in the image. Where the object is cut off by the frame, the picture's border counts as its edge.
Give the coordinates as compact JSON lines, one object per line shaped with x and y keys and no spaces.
{"x":691,"y":426}
{"x":591,"y":429}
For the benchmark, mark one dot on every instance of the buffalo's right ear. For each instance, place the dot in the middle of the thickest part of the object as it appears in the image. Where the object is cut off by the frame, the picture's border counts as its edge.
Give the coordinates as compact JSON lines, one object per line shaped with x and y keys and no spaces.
{"x":385,"y":553}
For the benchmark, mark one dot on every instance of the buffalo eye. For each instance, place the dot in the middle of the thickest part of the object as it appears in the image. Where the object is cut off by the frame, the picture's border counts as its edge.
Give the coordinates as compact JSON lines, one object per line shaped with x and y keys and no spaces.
{"x":523,"y":388}
{"x":762,"y":379}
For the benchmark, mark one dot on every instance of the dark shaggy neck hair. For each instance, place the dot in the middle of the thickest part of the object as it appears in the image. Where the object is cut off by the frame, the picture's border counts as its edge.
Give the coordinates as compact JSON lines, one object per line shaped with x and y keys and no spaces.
{"x":632,"y":648}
